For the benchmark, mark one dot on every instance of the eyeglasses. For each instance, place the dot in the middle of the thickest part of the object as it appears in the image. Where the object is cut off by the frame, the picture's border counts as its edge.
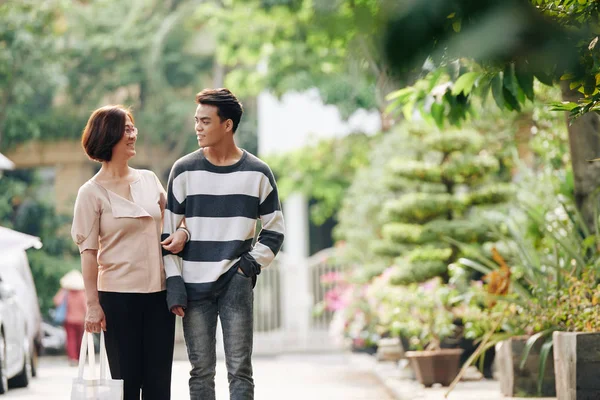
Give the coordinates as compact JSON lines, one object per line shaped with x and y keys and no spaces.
{"x":130,"y":131}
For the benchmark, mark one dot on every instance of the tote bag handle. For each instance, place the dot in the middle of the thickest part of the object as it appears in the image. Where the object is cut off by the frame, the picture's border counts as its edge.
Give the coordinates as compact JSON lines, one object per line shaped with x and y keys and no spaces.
{"x":87,"y":351}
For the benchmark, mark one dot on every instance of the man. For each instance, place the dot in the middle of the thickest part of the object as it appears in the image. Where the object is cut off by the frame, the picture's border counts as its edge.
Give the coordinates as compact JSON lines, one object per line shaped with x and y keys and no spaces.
{"x":220,"y":190}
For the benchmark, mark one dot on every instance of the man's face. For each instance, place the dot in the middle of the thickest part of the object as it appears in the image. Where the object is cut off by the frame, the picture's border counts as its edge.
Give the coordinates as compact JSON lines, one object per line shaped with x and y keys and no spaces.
{"x":209,"y":128}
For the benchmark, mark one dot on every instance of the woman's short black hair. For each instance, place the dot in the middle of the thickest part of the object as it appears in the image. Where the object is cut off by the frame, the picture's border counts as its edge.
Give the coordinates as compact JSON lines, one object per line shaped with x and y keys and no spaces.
{"x":103,"y":130}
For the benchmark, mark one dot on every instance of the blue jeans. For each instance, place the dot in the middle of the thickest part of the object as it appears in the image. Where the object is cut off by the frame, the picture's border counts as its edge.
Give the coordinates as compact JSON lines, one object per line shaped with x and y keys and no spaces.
{"x":234,"y":306}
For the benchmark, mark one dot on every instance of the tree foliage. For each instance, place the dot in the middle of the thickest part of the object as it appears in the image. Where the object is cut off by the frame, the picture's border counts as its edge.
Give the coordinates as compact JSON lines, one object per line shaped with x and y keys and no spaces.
{"x":299,"y":44}
{"x":322,"y":172}
{"x":484,"y":47}
{"x":29,"y":38}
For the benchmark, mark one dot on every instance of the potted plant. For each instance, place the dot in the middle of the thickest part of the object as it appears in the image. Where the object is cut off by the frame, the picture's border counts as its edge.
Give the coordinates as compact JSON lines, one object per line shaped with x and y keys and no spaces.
{"x":354,"y":321}
{"x":424,"y":314}
{"x":577,"y":343}
{"x":553,"y":300}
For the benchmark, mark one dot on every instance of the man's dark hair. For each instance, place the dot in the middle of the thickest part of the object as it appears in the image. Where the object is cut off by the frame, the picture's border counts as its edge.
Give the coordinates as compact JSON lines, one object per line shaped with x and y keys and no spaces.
{"x":103,"y":131}
{"x":228,"y":106}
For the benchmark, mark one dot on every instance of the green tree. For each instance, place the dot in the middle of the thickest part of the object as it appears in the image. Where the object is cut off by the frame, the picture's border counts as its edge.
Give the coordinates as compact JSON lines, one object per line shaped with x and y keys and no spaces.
{"x":150,"y":57}
{"x":470,"y":49}
{"x":25,"y":210}
{"x":29,"y":39}
{"x":442,"y":189}
{"x":286,"y":45}
{"x":322,"y":172}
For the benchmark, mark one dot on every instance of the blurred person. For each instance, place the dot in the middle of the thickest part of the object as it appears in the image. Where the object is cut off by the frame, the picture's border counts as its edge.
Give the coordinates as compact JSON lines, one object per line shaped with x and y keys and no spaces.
{"x":72,"y":293}
{"x":220,"y":191}
{"x":117,"y":227}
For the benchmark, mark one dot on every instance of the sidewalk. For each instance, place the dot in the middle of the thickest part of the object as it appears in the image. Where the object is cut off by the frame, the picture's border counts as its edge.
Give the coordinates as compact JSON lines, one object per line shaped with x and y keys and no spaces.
{"x":406,"y":389}
{"x":290,"y":377}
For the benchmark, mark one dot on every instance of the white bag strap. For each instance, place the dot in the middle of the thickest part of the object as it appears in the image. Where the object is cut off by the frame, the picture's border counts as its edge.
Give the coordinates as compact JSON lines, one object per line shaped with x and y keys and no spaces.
{"x":87,"y":351}
{"x":104,"y":370}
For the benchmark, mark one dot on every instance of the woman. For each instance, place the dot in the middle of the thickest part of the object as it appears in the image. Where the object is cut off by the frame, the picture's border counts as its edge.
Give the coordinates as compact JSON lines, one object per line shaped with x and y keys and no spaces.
{"x":72,"y":292}
{"x":117,"y":227}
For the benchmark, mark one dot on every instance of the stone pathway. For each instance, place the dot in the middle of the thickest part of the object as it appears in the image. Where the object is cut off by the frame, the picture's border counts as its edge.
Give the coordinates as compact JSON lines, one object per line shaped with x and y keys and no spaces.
{"x":290,"y":377}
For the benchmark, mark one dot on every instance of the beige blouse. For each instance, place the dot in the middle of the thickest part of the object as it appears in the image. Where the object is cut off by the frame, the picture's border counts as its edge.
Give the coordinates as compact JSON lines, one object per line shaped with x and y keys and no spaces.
{"x":125,"y":233}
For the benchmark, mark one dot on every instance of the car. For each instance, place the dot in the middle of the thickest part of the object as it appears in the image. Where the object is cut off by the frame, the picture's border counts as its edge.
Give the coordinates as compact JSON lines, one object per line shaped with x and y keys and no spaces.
{"x":20,"y":317}
{"x":54,"y":339}
{"x":15,"y":351}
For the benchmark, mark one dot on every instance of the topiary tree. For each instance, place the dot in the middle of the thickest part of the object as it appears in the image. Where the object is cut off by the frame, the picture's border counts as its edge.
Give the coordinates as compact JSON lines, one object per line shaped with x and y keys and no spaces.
{"x":441,"y":191}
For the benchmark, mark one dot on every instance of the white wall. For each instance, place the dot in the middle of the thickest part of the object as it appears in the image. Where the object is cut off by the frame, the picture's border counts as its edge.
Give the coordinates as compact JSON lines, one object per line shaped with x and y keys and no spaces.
{"x":300,"y":119}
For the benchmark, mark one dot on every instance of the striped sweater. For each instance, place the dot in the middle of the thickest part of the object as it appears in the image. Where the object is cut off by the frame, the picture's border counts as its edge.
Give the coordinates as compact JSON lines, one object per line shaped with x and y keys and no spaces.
{"x":221,"y":206}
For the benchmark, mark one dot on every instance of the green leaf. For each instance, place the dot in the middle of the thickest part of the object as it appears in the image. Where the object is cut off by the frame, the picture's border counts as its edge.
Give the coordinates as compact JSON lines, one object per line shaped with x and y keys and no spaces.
{"x":563,"y":106}
{"x":530,"y":343}
{"x":437,"y":112}
{"x":475,"y":265}
{"x":545,"y":78}
{"x":456,"y":25}
{"x":589,"y":85}
{"x":525,"y":79}
{"x":509,"y":81}
{"x":510,"y":100}
{"x":544,"y":352}
{"x":497,"y":91}
{"x":465,"y":83}
{"x":400,"y":94}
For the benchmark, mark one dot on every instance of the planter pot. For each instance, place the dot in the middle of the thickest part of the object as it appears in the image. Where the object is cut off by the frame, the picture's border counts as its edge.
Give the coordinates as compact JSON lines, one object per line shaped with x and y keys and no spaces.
{"x":577,"y":359}
{"x":523,"y":382}
{"x":439,"y":366}
{"x":389,"y":349}
{"x":469,"y":346}
{"x":371,"y":350}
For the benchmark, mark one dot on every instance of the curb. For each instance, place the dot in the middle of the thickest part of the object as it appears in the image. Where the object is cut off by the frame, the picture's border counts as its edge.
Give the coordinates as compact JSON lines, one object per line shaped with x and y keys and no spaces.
{"x":403,"y":388}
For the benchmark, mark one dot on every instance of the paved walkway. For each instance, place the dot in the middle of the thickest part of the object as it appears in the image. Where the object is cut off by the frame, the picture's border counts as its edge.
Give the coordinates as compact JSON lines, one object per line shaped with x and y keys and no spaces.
{"x":290,"y":377}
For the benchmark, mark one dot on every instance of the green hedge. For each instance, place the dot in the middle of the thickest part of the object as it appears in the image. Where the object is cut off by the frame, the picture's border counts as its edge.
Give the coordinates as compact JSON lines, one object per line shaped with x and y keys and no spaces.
{"x":407,"y":272}
{"x":493,"y":194}
{"x":454,"y":141}
{"x":422,"y":207}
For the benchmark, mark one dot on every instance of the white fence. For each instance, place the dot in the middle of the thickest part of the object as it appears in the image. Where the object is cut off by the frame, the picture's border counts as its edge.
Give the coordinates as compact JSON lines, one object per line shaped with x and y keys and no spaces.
{"x":285,"y":298}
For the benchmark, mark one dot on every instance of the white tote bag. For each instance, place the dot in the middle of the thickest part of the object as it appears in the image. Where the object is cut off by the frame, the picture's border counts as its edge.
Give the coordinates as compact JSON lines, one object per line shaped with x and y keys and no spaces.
{"x":101,"y":387}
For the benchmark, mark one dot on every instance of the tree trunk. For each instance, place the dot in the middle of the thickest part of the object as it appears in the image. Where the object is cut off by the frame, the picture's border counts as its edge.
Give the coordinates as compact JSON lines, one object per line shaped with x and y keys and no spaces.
{"x":584,"y":143}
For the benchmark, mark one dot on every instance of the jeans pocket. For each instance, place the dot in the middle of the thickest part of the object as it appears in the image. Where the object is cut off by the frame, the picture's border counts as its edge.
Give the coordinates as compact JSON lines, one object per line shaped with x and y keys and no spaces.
{"x":240,"y":273}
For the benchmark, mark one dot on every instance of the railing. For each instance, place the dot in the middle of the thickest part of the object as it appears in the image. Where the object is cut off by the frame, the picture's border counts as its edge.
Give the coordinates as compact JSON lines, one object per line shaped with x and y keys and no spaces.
{"x":319,"y":265}
{"x":285,"y":297}
{"x":267,"y":299}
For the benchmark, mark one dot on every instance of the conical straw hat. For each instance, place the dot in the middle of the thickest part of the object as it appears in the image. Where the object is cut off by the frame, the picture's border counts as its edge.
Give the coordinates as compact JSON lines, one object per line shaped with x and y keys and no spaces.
{"x":73,"y":280}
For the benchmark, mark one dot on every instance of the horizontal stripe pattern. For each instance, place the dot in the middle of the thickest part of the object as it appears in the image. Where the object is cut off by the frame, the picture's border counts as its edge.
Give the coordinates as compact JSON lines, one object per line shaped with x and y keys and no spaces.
{"x":202,"y":272}
{"x":172,"y":265}
{"x":262,"y":254}
{"x":249,"y":183}
{"x":221,"y":229}
{"x":221,"y":206}
{"x":233,"y":205}
{"x":215,"y":251}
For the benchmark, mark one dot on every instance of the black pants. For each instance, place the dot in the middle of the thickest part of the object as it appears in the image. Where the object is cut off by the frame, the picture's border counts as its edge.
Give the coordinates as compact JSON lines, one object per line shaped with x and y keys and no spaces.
{"x":140,"y":335}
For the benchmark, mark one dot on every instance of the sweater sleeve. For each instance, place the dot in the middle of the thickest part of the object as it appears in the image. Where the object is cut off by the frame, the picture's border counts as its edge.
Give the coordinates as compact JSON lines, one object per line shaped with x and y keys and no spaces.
{"x":173,"y":215}
{"x":270,"y":238}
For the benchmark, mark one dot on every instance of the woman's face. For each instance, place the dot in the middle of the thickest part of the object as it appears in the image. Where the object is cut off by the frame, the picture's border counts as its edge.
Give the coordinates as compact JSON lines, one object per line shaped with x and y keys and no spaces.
{"x":125,"y":148}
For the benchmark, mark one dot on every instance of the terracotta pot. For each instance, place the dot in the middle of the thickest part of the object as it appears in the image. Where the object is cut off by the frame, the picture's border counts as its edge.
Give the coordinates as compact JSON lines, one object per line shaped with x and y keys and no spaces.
{"x":438,"y":366}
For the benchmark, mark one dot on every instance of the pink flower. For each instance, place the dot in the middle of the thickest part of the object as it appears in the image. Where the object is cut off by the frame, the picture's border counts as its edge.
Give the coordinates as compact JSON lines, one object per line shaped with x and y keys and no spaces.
{"x":331,"y":277}
{"x":335,"y":299}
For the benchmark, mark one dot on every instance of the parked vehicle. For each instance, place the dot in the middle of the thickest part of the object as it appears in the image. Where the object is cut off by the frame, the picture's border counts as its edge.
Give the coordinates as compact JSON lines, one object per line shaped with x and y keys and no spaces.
{"x":20,"y":317}
{"x":15,"y":350}
{"x":14,"y":271}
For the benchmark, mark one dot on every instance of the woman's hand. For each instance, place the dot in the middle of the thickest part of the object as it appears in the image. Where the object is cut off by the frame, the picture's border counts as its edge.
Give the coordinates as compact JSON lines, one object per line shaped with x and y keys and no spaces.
{"x":175,"y":242}
{"x":95,"y":319}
